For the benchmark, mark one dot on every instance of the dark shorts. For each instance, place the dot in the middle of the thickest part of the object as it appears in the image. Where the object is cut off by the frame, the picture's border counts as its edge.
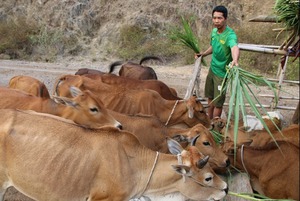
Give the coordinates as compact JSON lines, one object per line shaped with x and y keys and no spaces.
{"x":212,"y":90}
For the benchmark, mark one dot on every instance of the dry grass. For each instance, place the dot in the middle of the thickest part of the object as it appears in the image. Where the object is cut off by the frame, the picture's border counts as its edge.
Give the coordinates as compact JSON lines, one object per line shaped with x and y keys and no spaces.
{"x":15,"y":38}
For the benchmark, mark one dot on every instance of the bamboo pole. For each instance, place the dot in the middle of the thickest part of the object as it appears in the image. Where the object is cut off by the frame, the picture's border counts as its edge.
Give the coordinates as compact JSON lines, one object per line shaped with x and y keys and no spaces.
{"x":195,"y":78}
{"x":281,"y":97}
{"x":261,"y":46}
{"x":204,"y":103}
{"x":287,"y":40}
{"x":285,"y":81}
{"x":264,"y":18}
{"x":261,"y":49}
{"x":281,"y":77}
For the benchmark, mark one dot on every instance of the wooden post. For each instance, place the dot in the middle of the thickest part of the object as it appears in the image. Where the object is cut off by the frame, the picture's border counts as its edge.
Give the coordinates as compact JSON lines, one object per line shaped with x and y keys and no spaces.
{"x":239,"y":183}
{"x":281,"y":77}
{"x":195,"y":79}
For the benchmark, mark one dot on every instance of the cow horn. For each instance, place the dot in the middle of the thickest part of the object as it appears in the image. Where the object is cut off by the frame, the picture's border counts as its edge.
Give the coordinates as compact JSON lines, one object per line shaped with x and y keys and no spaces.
{"x":202,"y":162}
{"x":194,"y":140}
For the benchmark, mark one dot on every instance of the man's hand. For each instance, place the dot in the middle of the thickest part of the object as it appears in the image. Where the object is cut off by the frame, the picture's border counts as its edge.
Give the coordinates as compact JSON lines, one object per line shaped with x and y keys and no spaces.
{"x":197,"y":55}
{"x":233,"y":63}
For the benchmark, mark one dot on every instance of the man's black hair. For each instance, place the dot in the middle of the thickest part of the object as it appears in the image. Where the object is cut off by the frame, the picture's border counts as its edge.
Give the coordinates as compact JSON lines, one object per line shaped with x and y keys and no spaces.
{"x":221,"y":9}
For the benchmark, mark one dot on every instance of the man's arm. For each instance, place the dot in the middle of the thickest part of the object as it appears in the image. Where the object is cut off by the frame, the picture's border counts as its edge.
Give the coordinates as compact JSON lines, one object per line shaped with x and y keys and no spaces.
{"x":205,"y":53}
{"x":235,"y":53}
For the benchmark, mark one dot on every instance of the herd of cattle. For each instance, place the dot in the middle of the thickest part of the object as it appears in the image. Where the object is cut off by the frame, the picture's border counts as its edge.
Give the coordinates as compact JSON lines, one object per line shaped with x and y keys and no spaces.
{"x":101,"y":136}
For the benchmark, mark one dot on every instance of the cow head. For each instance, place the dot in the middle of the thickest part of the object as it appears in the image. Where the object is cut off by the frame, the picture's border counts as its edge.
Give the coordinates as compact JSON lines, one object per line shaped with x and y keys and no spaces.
{"x":196,"y":113}
{"x":199,"y":181}
{"x":86,"y":110}
{"x":205,"y":143}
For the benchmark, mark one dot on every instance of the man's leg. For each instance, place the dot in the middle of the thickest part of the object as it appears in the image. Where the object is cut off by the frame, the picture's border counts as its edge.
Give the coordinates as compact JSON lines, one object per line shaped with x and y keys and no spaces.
{"x":210,"y":108}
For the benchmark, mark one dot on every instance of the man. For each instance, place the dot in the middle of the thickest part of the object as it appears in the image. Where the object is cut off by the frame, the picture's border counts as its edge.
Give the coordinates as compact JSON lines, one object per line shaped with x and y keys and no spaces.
{"x":224,"y":49}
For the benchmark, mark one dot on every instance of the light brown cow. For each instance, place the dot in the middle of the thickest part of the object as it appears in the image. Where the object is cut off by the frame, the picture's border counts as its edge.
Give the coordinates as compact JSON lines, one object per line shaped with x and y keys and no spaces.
{"x":243,"y":136}
{"x":185,"y":113}
{"x":205,"y":143}
{"x":136,"y":71}
{"x":273,"y":171}
{"x":289,"y":134}
{"x":83,"y":108}
{"x":153,"y":134}
{"x":67,"y":162}
{"x":30,"y":85}
{"x":129,"y":83}
{"x":83,"y":71}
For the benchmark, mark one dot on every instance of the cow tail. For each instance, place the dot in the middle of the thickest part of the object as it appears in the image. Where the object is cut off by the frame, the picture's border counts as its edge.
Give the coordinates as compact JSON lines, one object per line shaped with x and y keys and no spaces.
{"x":146,"y":58}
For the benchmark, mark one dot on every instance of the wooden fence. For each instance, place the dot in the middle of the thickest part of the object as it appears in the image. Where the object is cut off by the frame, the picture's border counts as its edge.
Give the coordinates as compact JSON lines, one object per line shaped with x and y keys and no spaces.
{"x":194,"y":88}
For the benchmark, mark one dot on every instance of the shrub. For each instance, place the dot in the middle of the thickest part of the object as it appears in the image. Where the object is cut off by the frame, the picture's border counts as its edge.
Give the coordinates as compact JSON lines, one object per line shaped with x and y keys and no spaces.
{"x":15,"y":37}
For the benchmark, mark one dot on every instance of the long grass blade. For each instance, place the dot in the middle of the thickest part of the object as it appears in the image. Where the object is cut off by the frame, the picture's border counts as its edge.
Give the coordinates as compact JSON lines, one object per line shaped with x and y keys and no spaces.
{"x":186,"y":37}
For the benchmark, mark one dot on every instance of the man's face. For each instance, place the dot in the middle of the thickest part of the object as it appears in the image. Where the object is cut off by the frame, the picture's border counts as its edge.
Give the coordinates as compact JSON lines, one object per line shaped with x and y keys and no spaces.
{"x":219,"y":20}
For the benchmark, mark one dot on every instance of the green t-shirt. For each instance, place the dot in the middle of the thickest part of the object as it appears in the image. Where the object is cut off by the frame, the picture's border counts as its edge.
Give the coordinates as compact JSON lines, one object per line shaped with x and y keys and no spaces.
{"x":221,"y":54}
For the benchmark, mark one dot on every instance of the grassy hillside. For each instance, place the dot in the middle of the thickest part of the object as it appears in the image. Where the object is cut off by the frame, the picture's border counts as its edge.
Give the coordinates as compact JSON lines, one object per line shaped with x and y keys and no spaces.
{"x":45,"y":30}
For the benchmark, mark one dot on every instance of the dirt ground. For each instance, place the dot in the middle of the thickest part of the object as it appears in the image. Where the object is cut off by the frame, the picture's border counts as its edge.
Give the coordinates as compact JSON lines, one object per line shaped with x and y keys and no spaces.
{"x":177,"y":77}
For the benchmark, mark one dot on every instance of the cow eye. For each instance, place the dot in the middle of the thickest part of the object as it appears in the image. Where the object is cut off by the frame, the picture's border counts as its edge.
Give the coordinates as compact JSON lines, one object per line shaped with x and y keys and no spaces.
{"x":94,"y":110}
{"x":208,"y":179}
{"x":206,"y":143}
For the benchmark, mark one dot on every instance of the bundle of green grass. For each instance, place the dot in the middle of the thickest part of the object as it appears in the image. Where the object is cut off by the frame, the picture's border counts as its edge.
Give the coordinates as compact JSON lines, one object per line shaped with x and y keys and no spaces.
{"x":287,"y":12}
{"x":186,"y":37}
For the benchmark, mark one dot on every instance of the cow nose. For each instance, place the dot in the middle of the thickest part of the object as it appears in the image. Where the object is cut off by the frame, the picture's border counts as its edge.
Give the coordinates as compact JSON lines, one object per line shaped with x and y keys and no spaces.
{"x":119,"y":126}
{"x":227,"y":162}
{"x":226,"y":190}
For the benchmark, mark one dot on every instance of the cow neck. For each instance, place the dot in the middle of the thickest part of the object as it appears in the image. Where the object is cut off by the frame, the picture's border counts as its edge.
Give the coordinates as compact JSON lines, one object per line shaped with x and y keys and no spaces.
{"x":176,"y":102}
{"x":150,"y":175}
{"x":53,"y":107}
{"x":165,"y":174}
{"x":242,"y":159}
{"x":174,"y":115}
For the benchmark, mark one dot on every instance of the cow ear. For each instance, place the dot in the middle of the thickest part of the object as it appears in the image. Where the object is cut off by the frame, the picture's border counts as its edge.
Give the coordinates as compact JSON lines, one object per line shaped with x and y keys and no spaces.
{"x":182,"y":170}
{"x":174,"y":147}
{"x":75,"y":91}
{"x":190,"y":112}
{"x":180,"y":138}
{"x":64,"y":101}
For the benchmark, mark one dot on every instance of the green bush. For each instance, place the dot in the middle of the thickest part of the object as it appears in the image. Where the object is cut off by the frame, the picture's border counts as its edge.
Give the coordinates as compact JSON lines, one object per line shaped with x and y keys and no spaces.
{"x":15,"y":37}
{"x":26,"y":40}
{"x":136,"y":43}
{"x":50,"y":43}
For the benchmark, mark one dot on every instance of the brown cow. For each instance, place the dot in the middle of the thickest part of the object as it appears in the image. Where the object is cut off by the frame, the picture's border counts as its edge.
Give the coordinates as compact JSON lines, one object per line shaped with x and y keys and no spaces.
{"x":186,"y":113}
{"x":153,"y":134}
{"x":129,"y":83}
{"x":83,"y":108}
{"x":136,"y":71}
{"x":289,"y":134}
{"x":83,"y":71}
{"x":30,"y":85}
{"x":273,"y":171}
{"x":243,"y":135}
{"x":67,"y":162}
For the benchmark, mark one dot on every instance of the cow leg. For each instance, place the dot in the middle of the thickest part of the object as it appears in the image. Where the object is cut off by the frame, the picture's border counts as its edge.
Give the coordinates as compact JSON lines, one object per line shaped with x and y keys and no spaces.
{"x":4,"y":183}
{"x":2,"y":193}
